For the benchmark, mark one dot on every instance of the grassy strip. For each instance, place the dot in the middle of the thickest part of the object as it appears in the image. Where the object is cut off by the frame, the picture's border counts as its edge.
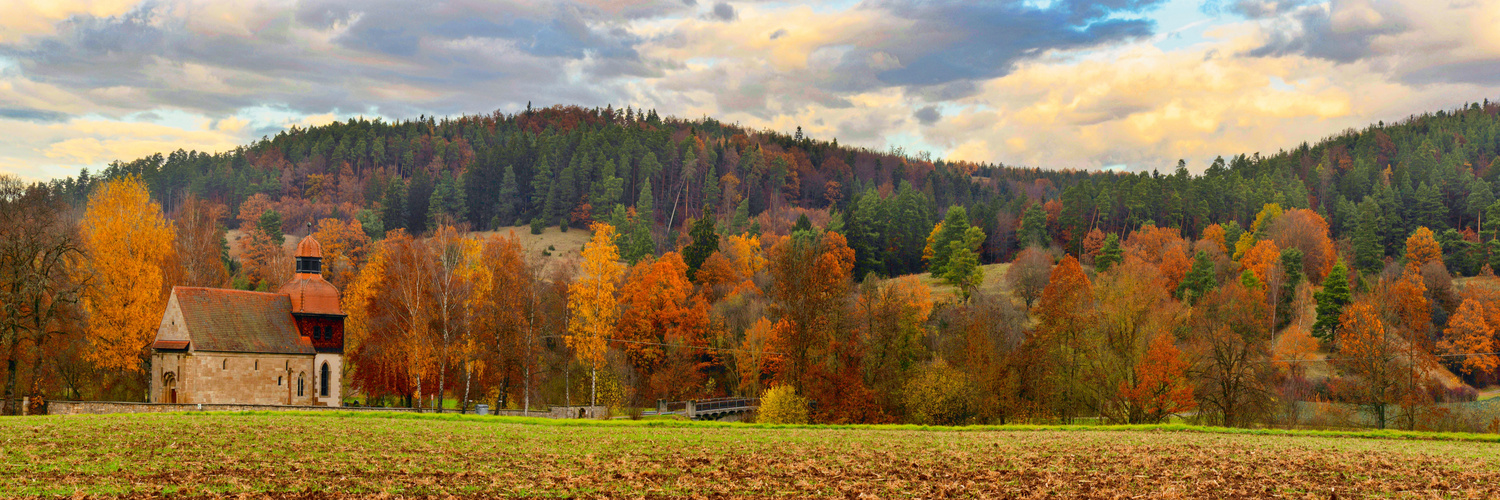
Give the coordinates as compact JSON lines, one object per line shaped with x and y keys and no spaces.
{"x":1176,"y":427}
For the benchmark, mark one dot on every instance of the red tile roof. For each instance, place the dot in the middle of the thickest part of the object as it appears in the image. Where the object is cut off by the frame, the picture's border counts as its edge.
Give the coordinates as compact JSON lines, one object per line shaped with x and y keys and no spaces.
{"x":170,"y":345}
{"x":310,"y":293}
{"x":223,"y":320}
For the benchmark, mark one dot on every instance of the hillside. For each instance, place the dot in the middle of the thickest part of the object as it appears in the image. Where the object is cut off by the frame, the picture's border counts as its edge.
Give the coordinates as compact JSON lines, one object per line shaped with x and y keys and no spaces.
{"x":566,"y":163}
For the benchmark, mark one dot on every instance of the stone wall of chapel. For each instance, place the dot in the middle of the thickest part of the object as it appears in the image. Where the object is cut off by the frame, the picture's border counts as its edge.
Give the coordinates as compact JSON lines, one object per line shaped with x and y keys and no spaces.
{"x":241,"y":378}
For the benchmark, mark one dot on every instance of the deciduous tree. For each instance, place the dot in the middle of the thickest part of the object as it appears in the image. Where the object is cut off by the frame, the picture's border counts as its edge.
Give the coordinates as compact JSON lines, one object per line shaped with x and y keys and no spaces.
{"x":128,"y":242}
{"x":592,"y":304}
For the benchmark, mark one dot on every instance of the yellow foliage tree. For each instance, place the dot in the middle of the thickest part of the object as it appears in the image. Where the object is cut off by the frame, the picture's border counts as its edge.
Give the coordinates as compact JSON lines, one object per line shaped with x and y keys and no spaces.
{"x":592,"y":302}
{"x":128,"y":242}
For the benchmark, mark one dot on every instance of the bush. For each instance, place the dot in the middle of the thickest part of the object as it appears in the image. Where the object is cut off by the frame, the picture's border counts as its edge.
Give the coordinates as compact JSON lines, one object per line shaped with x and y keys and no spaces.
{"x":941,"y":395}
{"x":782,"y":405}
{"x":537,"y":226}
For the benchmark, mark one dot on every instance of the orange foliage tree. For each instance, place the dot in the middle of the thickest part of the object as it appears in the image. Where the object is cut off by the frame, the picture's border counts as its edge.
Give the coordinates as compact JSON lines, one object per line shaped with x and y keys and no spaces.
{"x":389,"y":328}
{"x":1164,"y":248}
{"x":128,"y":244}
{"x":1215,"y":234}
{"x":1161,"y":388}
{"x":1063,"y":319}
{"x":344,"y":248}
{"x":1470,"y":339}
{"x":1307,"y":231}
{"x":1422,"y":248}
{"x":1264,"y":260}
{"x":1366,"y":351}
{"x":659,"y":309}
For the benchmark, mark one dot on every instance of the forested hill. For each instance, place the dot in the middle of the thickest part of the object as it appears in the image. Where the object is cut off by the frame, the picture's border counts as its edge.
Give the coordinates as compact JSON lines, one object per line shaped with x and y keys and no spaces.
{"x":569,"y":165}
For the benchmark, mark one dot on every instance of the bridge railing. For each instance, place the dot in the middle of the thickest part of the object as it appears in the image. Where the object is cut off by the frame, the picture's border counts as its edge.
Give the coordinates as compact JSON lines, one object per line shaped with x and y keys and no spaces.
{"x":701,"y":406}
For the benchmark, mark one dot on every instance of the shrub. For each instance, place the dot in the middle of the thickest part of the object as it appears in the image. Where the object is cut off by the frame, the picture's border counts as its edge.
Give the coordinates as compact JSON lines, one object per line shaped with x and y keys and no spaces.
{"x":537,"y":226}
{"x":941,"y":395}
{"x":782,"y":405}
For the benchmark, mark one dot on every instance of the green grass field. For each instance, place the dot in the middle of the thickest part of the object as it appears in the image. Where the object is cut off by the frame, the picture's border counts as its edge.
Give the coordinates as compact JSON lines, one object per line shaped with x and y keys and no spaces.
{"x":344,"y":455}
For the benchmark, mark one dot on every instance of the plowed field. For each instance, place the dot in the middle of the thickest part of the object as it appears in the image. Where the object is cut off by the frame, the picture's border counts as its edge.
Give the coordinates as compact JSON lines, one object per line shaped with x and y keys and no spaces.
{"x":318,"y":456}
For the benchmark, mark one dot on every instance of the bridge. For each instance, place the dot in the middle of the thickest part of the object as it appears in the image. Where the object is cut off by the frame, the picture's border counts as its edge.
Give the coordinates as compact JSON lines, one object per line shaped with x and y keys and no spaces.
{"x":708,"y":409}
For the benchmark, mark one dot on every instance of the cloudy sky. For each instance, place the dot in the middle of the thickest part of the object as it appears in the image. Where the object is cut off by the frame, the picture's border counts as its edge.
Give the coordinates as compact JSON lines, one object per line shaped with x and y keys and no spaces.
{"x":1132,"y":84}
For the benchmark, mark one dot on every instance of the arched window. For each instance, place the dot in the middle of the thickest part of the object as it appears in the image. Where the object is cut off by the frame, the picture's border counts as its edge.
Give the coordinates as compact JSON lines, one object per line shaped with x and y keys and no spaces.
{"x":300,"y":384}
{"x":323,"y":381}
{"x":257,"y":364}
{"x":226,"y":364}
{"x":278,"y":381}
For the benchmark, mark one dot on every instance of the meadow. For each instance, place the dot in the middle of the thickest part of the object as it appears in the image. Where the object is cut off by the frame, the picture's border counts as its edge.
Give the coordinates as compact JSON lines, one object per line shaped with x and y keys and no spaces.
{"x":323,"y":455}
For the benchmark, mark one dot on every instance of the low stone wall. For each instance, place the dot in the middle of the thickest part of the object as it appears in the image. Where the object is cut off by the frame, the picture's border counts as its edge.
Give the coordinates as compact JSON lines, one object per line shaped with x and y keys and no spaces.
{"x":556,"y":412}
{"x":107,"y":407}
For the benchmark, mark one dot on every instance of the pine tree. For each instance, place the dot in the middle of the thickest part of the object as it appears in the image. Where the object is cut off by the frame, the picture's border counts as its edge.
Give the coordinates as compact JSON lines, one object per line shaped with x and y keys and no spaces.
{"x":953,"y":228}
{"x":741,"y":221}
{"x":645,"y":204}
{"x":1110,"y":254}
{"x":1291,"y":267}
{"x":711,"y":190}
{"x":1033,"y":228}
{"x":541,"y":186}
{"x":270,"y":223}
{"x":1458,"y":253}
{"x":1368,"y":245}
{"x":393,"y":205}
{"x":605,"y":190}
{"x":1430,"y":210}
{"x":705,"y":243}
{"x":1198,"y":282}
{"x":506,"y":210}
{"x":803,"y":225}
{"x":1331,"y":302}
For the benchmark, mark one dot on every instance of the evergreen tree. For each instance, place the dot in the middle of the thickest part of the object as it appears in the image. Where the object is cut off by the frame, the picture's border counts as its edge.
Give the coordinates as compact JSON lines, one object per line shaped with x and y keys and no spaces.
{"x":1331,"y":302}
{"x":1430,"y":210}
{"x":371,"y":222}
{"x":1110,"y":254}
{"x":418,"y":197}
{"x":507,"y":212}
{"x":1479,"y":200}
{"x":741,"y":221}
{"x":270,"y":223}
{"x":705,"y":243}
{"x":1458,"y":253}
{"x":1368,"y":245}
{"x":711,"y":190}
{"x":1291,"y":267}
{"x":963,"y":270}
{"x":645,"y":204}
{"x":803,"y":225}
{"x":1199,"y":280}
{"x":955,"y":226}
{"x":541,"y":186}
{"x":605,"y":190}
{"x":1033,"y":228}
{"x":393,"y":205}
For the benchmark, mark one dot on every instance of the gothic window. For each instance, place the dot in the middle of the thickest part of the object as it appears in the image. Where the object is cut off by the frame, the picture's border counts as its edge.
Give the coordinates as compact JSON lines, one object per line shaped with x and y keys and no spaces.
{"x":300,"y":384}
{"x":323,"y":381}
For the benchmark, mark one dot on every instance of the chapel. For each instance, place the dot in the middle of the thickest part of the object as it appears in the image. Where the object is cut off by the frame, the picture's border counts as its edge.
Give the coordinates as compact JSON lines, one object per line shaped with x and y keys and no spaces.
{"x":222,"y":346}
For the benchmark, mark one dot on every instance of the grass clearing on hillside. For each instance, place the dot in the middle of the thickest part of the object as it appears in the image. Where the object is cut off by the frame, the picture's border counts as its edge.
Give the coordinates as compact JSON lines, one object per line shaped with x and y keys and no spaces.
{"x":321,"y":454}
